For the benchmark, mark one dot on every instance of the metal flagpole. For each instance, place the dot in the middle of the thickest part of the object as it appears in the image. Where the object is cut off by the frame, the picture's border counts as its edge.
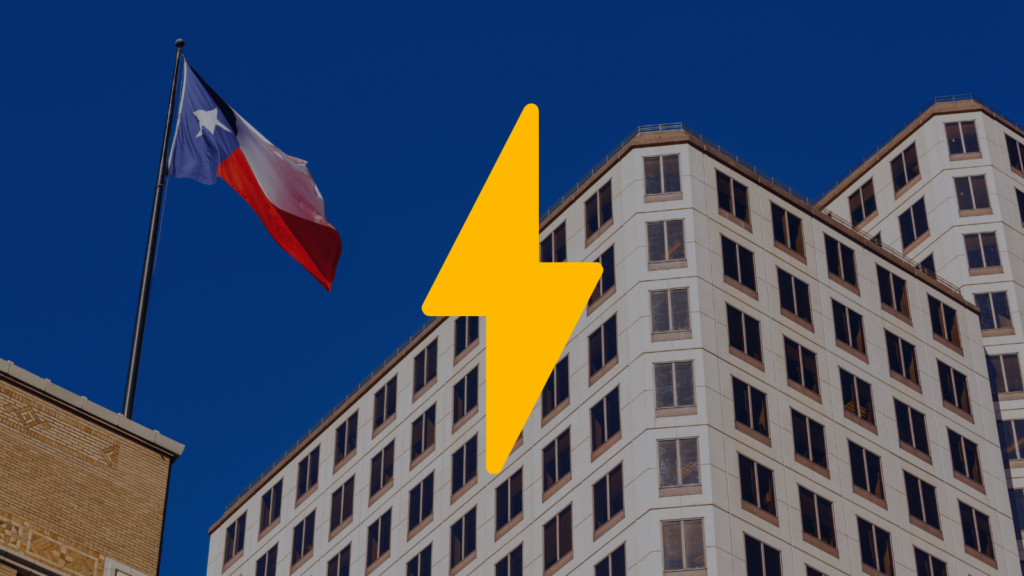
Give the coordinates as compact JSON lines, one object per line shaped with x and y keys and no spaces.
{"x":147,"y":267}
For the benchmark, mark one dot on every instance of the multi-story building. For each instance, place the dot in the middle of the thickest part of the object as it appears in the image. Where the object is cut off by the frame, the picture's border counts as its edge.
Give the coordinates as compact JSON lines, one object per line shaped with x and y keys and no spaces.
{"x":754,"y":388}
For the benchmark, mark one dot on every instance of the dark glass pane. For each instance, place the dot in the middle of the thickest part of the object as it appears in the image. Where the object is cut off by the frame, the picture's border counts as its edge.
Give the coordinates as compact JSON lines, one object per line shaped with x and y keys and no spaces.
{"x":724,"y":192}
{"x":772,"y":562}
{"x":414,"y":507}
{"x":612,"y":409}
{"x":860,"y":477}
{"x":608,"y":269}
{"x":796,"y":237}
{"x":909,"y":362}
{"x":867,"y":543}
{"x":672,"y":545}
{"x":956,"y":144}
{"x":884,"y":287}
{"x":914,"y":505}
{"x":973,"y":460}
{"x":779,"y":224}
{"x":819,"y":452}
{"x":753,"y":329}
{"x":597,"y":430}
{"x":973,"y":245}
{"x":735,"y":320}
{"x":1011,"y":368}
{"x":1017,"y":509}
{"x":748,"y":480}
{"x":964,"y":198}
{"x":562,"y":378}
{"x":663,"y":387}
{"x":551,"y":541}
{"x":800,"y":438}
{"x":611,"y":349}
{"x":884,"y":548}
{"x":458,"y":469}
{"x":471,"y":389}
{"x":618,"y":558}
{"x":786,"y":291}
{"x":849,"y":393}
{"x":825,"y":522}
{"x":967,"y":521}
{"x":990,"y":249}
{"x":564,"y":532}
{"x":684,"y":389}
{"x":747,"y":276}
{"x":931,"y":507}
{"x":680,"y":304}
{"x":676,"y":242}
{"x":605,"y":197}
{"x":516,"y":498}
{"x":547,"y":395}
{"x":502,"y":512}
{"x":1006,"y":440}
{"x":353,"y":427}
{"x":920,"y":432}
{"x":755,"y":566}
{"x":563,"y":454}
{"x":1015,"y":156}
{"x":856,"y":331}
{"x":920,"y":218}
{"x":668,"y":464}
{"x":470,"y":522}
{"x":810,"y":370}
{"x":596,"y":355}
{"x":659,"y":312}
{"x":652,"y":175}
{"x":803,"y":300}
{"x":590,"y":210}
{"x":842,"y":328}
{"x":984,"y":302}
{"x":832,"y":255}
{"x":875,"y":475}
{"x":546,"y":252}
{"x":910,"y":157}
{"x":957,"y":453}
{"x":560,"y":253}
{"x":907,"y":228}
{"x":730,"y":263}
{"x":670,"y":164}
{"x":980,"y":192}
{"x":689,"y":462}
{"x":303,"y":476}
{"x":759,"y":411}
{"x":901,"y":295}
{"x":600,"y":503}
{"x":550,"y":470}
{"x":793,"y":371}
{"x":615,"y":501}
{"x":899,"y":175}
{"x":1001,"y":307}
{"x":655,"y":241}
{"x":849,"y":267}
{"x":984,"y":535}
{"x":739,"y":195}
{"x":808,"y":513}
{"x":419,"y":379}
{"x":903,"y":423}
{"x":739,"y":400}
{"x":856,"y":208}
{"x":868,"y":195}
{"x":456,"y":543}
{"x":460,"y":334}
{"x":766,"y":490}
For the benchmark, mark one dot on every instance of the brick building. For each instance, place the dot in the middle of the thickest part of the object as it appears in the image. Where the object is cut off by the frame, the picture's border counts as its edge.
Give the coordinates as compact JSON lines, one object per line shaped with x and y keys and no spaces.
{"x":83,"y":490}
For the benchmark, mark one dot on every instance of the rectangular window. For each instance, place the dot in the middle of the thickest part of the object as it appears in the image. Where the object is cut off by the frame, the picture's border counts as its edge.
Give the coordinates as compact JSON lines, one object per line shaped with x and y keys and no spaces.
{"x":849,"y":327}
{"x":424,"y":369}
{"x":683,"y":545}
{"x":511,"y":565}
{"x":911,"y":427}
{"x":875,"y":547}
{"x":345,"y":438}
{"x":339,"y":565}
{"x":603,"y":346}
{"x":762,"y":559}
{"x":862,"y":203}
{"x":465,"y":395}
{"x":598,"y":209}
{"x":270,"y":508}
{"x":954,"y":388}
{"x":423,"y":433}
{"x":966,"y":458}
{"x":234,"y":539}
{"x":971,"y":193}
{"x":1020,"y":204}
{"x":995,"y":311}
{"x":928,"y":565}
{"x":467,"y":331}
{"x":902,"y":357}
{"x":552,"y":248}
{"x":751,"y":406}
{"x":1004,"y":374}
{"x":732,"y":197}
{"x":384,"y":402}
{"x":421,"y":502}
{"x":670,"y":310}
{"x":738,"y":263}
{"x":661,"y":174}
{"x":556,"y":389}
{"x":977,"y":531}
{"x":944,"y":323}
{"x":607,"y":280}
{"x":1017,"y":509}
{"x":309,"y":468}
{"x":809,"y":439}
{"x":857,"y":397}
{"x":913,"y":223}
{"x":604,"y":420}
{"x":744,"y":333}
{"x":757,"y":485}
{"x":928,"y":265}
{"x":267,"y":564}
{"x":678,"y":463}
{"x":464,"y":465}
{"x":795,"y":296}
{"x":982,"y":250}
{"x":962,"y":138}
{"x":867,"y":471}
{"x":905,"y":168}
{"x":673,"y":385}
{"x":613,"y":564}
{"x":894,"y":292}
{"x":801,"y":365}
{"x":921,"y":501}
{"x":1016,"y":151}
{"x":816,"y":513}
{"x":420,"y":563}
{"x":302,"y":538}
{"x":665,"y":241}
{"x":509,"y":499}
{"x":788,"y":230}
{"x":342,"y":503}
{"x":556,"y":458}
{"x":382,"y":469}
{"x":1011,"y":439}
{"x":608,"y":499}
{"x":558,"y":537}
{"x":378,"y":541}
{"x":841,"y":263}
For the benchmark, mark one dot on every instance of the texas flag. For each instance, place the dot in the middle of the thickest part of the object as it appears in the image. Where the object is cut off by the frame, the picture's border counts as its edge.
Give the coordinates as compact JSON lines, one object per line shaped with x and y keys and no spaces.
{"x":212,"y":140}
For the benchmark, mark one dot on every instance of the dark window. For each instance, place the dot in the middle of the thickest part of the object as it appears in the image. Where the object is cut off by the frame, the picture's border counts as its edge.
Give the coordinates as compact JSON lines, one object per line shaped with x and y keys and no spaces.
{"x":673,"y":385}
{"x":757,"y":485}
{"x":607,"y":280}
{"x":995,"y":311}
{"x":234,"y":539}
{"x":905,"y":168}
{"x":464,"y":465}
{"x":556,"y":457}
{"x":382,"y":468}
{"x":962,"y":138}
{"x":809,"y":439}
{"x":911,"y":428}
{"x":603,"y":346}
{"x":556,"y":389}
{"x":1017,"y":509}
{"x":732,"y":197}
{"x":552,"y":248}
{"x":598,"y":209}
{"x":877,"y":239}
{"x":738,"y":263}
{"x":302,"y":538}
{"x":971,"y":192}
{"x":683,"y":545}
{"x":509,"y":498}
{"x":954,"y":388}
{"x":678,"y":463}
{"x":762,"y":559}
{"x":928,"y":264}
{"x":751,"y":406}
{"x":267,"y":564}
{"x":921,"y":501}
{"x":795,"y":296}
{"x":384,"y":402}
{"x":813,"y":572}
{"x":608,"y":500}
{"x":977,"y":531}
{"x":661,"y":174}
{"x":309,"y":468}
{"x":342,"y":503}
{"x":345,"y":438}
{"x":816,"y":513}
{"x":841,"y":264}
{"x":1011,"y":439}
{"x":913,"y":223}
{"x":862,"y":203}
{"x":670,"y":310}
{"x":902,"y":357}
{"x":467,"y":331}
{"x":744,"y":333}
{"x":339,"y":565}
{"x":801,"y":365}
{"x":944,"y":323}
{"x":423,"y":432}
{"x":849,"y":327}
{"x":875,"y":547}
{"x":665,"y":241}
{"x":867,"y":471}
{"x":421,"y":502}
{"x":270,"y":509}
{"x":613,"y":564}
{"x":1020,"y":204}
{"x":424,"y":370}
{"x":604,"y":420}
{"x":378,"y":540}
{"x":420,"y":564}
{"x":928,"y":565}
{"x":966,"y":458}
{"x":1004,"y":374}
{"x":511,"y":565}
{"x":1016,"y":151}
{"x":857,"y":397}
{"x":788,"y":230}
{"x":558,"y":537}
{"x":465,"y":395}
{"x":894,"y":291}
{"x":982,"y":250}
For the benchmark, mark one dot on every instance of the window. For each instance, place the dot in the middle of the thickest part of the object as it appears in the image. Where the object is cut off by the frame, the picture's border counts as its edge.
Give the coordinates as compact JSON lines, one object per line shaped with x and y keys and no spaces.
{"x":801,"y":365}
{"x":267,"y":564}
{"x":603,"y":346}
{"x":857,"y":397}
{"x":1016,"y":151}
{"x":849,"y":327}
{"x":732,"y":197}
{"x":465,"y":395}
{"x":809,"y":439}
{"x":665,"y":241}
{"x":552,"y":248}
{"x":977,"y":531}
{"x":788,"y":230}
{"x":661,"y":174}
{"x":1017,"y":509}
{"x":511,"y":565}
{"x":464,"y":465}
{"x":875,"y":547}
{"x":1011,"y":439}
{"x":928,"y":264}
{"x":1004,"y":374}
{"x":614,"y":564}
{"x":995,"y":311}
{"x":673,"y":385}
{"x":345,"y":438}
{"x":795,"y":296}
{"x":877,"y":239}
{"x":302,"y":538}
{"x":982,"y":250}
{"x":867,"y":471}
{"x":556,"y":457}
{"x":921,"y":501}
{"x":902,"y":357}
{"x":751,"y":406}
{"x":509,"y":498}
{"x":928,"y":565}
{"x":862,"y":203}
{"x":270,"y":509}
{"x":944,"y":324}
{"x":308,"y":472}
{"x":678,"y":463}
{"x":913,"y":223}
{"x":558,"y":537}
{"x":841,"y":264}
{"x":384,"y":403}
{"x":954,"y":388}
{"x":421,"y":502}
{"x":744,"y":333}
{"x":604,"y":420}
{"x":905,"y":168}
{"x":234,"y":539}
{"x":342,"y":503}
{"x":971,"y":193}
{"x":608,"y":499}
{"x":463,"y":540}
{"x":813,"y":572}
{"x":962,"y":138}
{"x":598,"y":209}
{"x":607,"y":280}
{"x":339,"y":565}
{"x":816,"y":513}
{"x":420,"y":564}
{"x":423,"y":433}
{"x":757,"y":485}
{"x":670,"y":311}
{"x":966,"y":458}
{"x":424,"y":370}
{"x":467,"y":331}
{"x":556,"y":389}
{"x":894,"y":292}
{"x":762,"y":559}
{"x":382,"y":469}
{"x":739,"y":264}
{"x":911,"y":428}
{"x":378,"y":542}
{"x":683,"y":545}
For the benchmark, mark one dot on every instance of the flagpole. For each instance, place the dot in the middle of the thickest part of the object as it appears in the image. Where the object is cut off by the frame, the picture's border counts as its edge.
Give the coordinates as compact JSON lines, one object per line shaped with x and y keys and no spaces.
{"x":147,"y":267}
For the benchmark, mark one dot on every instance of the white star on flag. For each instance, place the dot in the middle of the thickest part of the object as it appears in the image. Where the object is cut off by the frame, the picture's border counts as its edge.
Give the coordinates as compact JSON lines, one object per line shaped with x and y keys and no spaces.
{"x":208,"y":119}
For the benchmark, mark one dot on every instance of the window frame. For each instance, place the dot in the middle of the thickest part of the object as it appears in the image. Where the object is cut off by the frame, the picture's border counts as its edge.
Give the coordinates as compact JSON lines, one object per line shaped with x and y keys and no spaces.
{"x":860,"y":350}
{"x":340,"y":564}
{"x":421,"y":562}
{"x":612,"y":563}
{"x":684,"y":553}
{"x":906,"y":168}
{"x":469,"y":477}
{"x":863,"y":195}
{"x":308,"y":475}
{"x":674,"y":332}
{"x":270,"y":509}
{"x":606,"y":283}
{"x":930,"y":568}
{"x":553,"y":250}
{"x":682,"y":488}
{"x":958,"y":403}
{"x":942,"y":332}
{"x":747,"y":541}
{"x":818,"y":517}
{"x":606,"y":362}
{"x":561,"y":476}
{"x":915,"y":212}
{"x":267,"y":564}
{"x":346,"y":440}
{"x":509,"y":561}
{"x":966,"y":187}
{"x":513,"y":517}
{"x":303,"y":540}
{"x":802,"y":360}
{"x":756,"y":361}
{"x":374,"y":555}
{"x":915,"y":445}
{"x":909,"y":372}
{"x":661,"y":175}
{"x":790,"y":284}
{"x":462,"y":409}
{"x":599,"y":203}
{"x":810,"y":427}
{"x":1016,"y":151}
{"x":464,"y":337}
{"x":552,"y":389}
{"x":421,"y":504}
{"x":990,"y":309}
{"x":667,"y":261}
{"x":739,"y":253}
{"x":874,"y":543}
{"x":561,"y":556}
{"x":385,"y":405}
{"x":976,"y":524}
{"x":421,"y":372}
{"x":342,"y":500}
{"x":986,"y":266}
{"x":865,"y":491}
{"x":741,"y":389}
{"x":1016,"y":436}
{"x":862,"y":413}
{"x":612,"y":516}
{"x":962,"y":140}
{"x":772,"y":495}
{"x":1003,"y":374}
{"x":793,"y":246}
{"x":677,"y":408}
{"x":730,"y":195}
{"x":901,"y":309}
{"x":420,"y":449}
{"x":962,"y":454}
{"x":836,"y":257}
{"x":379,"y":473}
{"x":599,"y":446}
{"x":923,"y":522}
{"x":234,"y":540}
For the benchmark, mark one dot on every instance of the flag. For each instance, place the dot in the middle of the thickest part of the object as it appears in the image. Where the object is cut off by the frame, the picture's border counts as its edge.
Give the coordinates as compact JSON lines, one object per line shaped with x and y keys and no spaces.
{"x":213,"y":140}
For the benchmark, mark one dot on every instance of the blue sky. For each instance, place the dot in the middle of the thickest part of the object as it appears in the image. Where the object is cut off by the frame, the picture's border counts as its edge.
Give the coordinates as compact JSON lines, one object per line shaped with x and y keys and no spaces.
{"x":401,"y":112}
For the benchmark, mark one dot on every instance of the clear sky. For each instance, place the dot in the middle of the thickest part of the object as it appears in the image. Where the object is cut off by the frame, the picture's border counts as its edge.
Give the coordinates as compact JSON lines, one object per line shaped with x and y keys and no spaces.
{"x":401,"y":112}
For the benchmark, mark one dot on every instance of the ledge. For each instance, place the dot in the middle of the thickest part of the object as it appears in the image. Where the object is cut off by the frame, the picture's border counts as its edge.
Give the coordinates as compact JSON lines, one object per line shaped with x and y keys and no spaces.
{"x":455,"y":361}
{"x":674,"y":335}
{"x":680,"y":491}
{"x":267,"y":530}
{"x":897,"y":314}
{"x":378,"y":562}
{"x":419,"y":527}
{"x":860,"y":422}
{"x":813,"y":466}
{"x":908,"y":448}
{"x":803,"y":390}
{"x":743,"y":429}
{"x":801,"y":321}
{"x":870,"y":497}
{"x":609,"y":524}
{"x":558,"y":565}
{"x":675,"y":411}
{"x":979,"y":556}
{"x":419,"y":393}
{"x":732,"y":218}
{"x":926,"y":527}
{"x":997,"y":332}
{"x":975,"y":212}
{"x":345,"y":460}
{"x":844,"y":283}
{"x":773,"y":520}
{"x":295,"y":567}
{"x":791,"y":252}
{"x":555,"y":411}
{"x":1017,"y":171}
{"x":866,"y":220}
{"x":416,"y":461}
{"x":465,"y":562}
{"x":666,"y":265}
{"x":662,"y":197}
{"x":958,"y":411}
{"x":947,"y":344}
{"x":906,"y":188}
{"x":964,"y":156}
{"x":604,"y":370}
{"x":968,"y":481}
{"x":743,"y":356}
{"x":556,"y":487}
{"x":917,"y":242}
{"x":383,"y":490}
{"x":852,"y":351}
{"x":466,"y":488}
{"x":305,"y":496}
{"x":1013,"y":463}
{"x":985,"y":271}
{"x":601,"y":300}
{"x":871,"y":571}
{"x":821,"y":545}
{"x":905,"y":381}
{"x":606,"y":446}
{"x":387,"y":421}
{"x":345,"y":523}
{"x":465,"y":418}
{"x":597,"y":233}
{"x":508,"y":526}
{"x":1007,"y":396}
{"x":234,"y":560}
{"x":730,"y":281}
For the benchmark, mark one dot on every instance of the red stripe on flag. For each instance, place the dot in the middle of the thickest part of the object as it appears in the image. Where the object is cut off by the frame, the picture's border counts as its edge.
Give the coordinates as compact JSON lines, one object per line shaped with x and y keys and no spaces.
{"x":314,"y":246}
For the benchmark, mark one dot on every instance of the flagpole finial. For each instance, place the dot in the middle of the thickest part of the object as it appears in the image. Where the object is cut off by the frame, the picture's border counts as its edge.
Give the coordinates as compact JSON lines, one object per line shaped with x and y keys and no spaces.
{"x":179,"y":43}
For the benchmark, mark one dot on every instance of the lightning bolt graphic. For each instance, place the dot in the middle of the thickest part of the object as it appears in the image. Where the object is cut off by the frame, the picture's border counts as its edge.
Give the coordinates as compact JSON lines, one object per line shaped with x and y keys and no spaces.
{"x":493,"y":270}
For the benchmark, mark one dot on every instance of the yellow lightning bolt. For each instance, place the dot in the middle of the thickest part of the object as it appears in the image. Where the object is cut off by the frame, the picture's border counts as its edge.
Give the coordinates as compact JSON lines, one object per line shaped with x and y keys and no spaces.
{"x":493,"y":270}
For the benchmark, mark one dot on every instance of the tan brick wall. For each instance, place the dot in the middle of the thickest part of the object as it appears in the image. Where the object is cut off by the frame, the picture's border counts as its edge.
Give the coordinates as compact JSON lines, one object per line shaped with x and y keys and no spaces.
{"x":73,"y":491}
{"x":6,"y":570}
